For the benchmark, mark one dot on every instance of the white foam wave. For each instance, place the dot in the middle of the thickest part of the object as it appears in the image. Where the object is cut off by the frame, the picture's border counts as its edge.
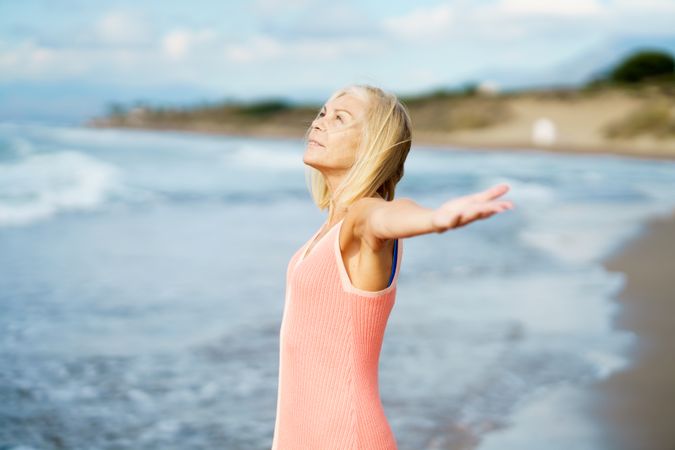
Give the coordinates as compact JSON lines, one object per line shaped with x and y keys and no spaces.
{"x":583,"y":233}
{"x":41,"y":185}
{"x":21,"y":146}
{"x":523,"y":192}
{"x":255,"y":157}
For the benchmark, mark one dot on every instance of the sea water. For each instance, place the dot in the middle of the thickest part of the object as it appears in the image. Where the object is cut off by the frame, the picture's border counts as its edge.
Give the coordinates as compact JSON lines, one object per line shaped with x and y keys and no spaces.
{"x":142,"y":284}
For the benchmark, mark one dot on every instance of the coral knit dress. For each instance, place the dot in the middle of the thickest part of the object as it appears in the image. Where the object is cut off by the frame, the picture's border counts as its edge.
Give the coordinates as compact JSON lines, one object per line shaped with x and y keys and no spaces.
{"x":330,"y":340}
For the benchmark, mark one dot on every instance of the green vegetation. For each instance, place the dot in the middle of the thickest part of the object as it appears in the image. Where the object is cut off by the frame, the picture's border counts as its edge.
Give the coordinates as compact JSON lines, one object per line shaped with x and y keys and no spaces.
{"x":642,"y":71}
{"x":441,"y":109}
{"x":642,"y":67}
{"x":655,"y":118}
{"x":263,"y":108}
{"x":116,"y":110}
{"x":469,"y":89}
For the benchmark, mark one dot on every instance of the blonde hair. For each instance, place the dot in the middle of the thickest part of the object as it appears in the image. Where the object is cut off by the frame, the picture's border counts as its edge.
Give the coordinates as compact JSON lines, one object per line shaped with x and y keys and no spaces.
{"x":383,"y":148}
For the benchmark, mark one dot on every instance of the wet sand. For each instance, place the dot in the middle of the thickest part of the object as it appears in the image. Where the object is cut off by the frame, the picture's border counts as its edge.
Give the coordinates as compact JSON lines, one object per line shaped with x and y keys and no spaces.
{"x":636,"y":406}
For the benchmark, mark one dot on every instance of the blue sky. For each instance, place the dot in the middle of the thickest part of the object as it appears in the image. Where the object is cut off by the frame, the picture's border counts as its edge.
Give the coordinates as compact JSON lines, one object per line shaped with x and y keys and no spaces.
{"x":68,"y":58}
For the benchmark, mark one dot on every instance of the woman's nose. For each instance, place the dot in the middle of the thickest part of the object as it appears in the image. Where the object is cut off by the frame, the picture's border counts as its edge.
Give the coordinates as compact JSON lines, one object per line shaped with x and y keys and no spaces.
{"x":318,"y":123}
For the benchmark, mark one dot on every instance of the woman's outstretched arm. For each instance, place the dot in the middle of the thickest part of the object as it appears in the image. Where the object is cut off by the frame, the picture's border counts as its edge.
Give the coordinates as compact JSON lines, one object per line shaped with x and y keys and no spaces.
{"x":377,"y":220}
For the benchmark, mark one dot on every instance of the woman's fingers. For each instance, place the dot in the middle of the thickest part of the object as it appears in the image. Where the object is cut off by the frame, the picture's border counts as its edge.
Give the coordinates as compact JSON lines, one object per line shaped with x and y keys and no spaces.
{"x":459,"y":212}
{"x":503,"y":206}
{"x":491,"y":193}
{"x":474,"y":212}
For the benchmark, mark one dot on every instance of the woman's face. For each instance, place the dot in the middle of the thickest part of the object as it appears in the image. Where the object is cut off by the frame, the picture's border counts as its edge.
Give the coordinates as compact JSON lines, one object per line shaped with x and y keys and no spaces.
{"x":335,"y":135}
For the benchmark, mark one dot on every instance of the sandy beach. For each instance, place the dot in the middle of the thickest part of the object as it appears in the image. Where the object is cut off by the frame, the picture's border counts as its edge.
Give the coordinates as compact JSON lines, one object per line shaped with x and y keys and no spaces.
{"x":637,"y":405}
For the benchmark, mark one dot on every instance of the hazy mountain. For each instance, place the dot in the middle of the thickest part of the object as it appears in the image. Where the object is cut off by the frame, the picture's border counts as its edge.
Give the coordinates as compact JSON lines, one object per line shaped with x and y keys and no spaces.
{"x":71,"y":102}
{"x":579,"y":69}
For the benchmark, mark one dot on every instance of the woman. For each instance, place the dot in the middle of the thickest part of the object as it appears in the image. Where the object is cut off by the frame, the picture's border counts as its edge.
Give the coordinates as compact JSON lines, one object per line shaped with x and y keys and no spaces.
{"x":341,"y":285}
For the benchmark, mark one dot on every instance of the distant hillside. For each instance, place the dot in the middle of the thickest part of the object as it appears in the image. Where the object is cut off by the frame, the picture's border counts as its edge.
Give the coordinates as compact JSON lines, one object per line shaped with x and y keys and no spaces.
{"x":630,"y":109}
{"x":632,"y":121}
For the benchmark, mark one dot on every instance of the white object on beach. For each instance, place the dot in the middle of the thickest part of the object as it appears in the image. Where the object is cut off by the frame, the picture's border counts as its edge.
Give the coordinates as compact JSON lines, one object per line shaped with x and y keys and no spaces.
{"x":543,"y":131}
{"x":488,"y":88}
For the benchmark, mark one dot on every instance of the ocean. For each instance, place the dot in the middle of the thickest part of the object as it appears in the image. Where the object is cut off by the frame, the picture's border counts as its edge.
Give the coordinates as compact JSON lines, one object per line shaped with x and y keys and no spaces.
{"x":142,"y":286}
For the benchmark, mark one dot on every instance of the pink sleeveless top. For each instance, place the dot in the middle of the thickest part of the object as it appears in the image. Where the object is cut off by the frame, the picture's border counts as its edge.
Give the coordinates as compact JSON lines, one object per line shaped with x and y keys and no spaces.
{"x":330,"y":340}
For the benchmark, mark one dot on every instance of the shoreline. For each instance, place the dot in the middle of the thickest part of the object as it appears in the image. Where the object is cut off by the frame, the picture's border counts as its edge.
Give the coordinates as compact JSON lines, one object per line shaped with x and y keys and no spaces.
{"x":438,"y":143}
{"x":636,"y":406}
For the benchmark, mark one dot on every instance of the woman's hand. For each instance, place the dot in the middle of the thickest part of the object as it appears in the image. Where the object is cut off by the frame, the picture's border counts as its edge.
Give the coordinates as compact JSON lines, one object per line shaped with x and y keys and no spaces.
{"x":464,"y":210}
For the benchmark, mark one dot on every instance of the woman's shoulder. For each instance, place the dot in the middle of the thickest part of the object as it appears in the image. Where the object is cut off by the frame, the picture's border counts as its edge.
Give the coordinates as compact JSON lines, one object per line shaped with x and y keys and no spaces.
{"x":361,"y":208}
{"x":356,"y":222}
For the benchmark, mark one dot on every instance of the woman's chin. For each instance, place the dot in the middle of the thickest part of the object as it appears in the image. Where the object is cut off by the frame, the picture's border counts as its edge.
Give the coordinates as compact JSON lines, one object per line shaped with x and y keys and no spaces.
{"x":311,"y":158}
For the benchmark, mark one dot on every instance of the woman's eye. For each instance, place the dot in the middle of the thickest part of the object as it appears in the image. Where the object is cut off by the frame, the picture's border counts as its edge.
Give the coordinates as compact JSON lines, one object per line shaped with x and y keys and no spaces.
{"x":321,"y":114}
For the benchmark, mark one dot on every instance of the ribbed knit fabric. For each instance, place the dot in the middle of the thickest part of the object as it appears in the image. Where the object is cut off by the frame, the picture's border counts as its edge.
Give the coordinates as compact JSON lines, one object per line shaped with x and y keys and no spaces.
{"x":330,"y":340}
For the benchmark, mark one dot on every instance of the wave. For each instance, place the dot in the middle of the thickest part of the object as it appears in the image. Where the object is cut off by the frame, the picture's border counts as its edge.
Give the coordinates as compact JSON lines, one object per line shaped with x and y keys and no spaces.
{"x":258,"y":157}
{"x":41,"y":185}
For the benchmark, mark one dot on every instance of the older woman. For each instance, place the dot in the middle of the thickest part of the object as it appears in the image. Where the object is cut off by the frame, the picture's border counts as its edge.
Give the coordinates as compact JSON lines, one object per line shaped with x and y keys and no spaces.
{"x":341,"y":285}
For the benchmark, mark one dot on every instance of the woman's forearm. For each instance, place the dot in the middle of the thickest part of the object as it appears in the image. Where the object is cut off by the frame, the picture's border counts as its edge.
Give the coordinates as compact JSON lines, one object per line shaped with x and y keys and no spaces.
{"x":378,"y":221}
{"x":400,"y":218}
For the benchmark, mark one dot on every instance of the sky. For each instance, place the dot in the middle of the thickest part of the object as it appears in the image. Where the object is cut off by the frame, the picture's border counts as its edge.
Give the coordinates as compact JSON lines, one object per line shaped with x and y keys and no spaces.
{"x":67,"y":59}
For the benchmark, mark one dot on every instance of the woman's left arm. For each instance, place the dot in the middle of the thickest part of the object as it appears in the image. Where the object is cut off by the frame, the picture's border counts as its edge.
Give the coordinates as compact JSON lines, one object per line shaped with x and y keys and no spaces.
{"x":401,"y":218}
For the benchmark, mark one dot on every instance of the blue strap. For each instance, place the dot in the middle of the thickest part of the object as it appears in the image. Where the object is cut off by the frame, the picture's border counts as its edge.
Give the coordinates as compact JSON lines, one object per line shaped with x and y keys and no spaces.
{"x":393,"y":266}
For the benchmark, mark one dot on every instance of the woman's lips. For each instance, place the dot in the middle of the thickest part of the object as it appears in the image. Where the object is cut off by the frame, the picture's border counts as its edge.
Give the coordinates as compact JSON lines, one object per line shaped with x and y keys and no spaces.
{"x":313,"y":142}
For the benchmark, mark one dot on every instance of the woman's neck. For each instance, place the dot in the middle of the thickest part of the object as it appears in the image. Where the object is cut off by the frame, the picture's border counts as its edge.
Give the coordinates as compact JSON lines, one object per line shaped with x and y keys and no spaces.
{"x":336,"y":213}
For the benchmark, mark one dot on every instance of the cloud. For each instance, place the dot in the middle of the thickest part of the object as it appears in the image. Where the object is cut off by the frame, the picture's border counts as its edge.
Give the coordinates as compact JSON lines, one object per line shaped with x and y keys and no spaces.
{"x":265,"y":48}
{"x":519,"y":22}
{"x":28,"y":60}
{"x":271,"y":8}
{"x":567,"y":8}
{"x":338,"y":20}
{"x":177,"y":43}
{"x":653,"y":6}
{"x":122,"y":27}
{"x":644,"y":17}
{"x":421,"y":23}
{"x":259,"y":48}
{"x":423,"y":45}
{"x":504,"y":19}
